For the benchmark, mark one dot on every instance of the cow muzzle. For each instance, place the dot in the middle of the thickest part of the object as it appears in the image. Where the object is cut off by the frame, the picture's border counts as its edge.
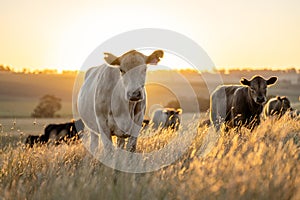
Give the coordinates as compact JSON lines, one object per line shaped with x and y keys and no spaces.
{"x":137,"y":95}
{"x":260,"y":100}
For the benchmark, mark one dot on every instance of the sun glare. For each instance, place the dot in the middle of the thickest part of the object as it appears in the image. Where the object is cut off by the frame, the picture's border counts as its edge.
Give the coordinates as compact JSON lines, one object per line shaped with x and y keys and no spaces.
{"x":89,"y":31}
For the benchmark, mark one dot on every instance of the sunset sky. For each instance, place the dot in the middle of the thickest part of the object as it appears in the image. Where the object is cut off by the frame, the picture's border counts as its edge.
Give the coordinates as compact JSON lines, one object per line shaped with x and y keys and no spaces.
{"x":61,"y":34}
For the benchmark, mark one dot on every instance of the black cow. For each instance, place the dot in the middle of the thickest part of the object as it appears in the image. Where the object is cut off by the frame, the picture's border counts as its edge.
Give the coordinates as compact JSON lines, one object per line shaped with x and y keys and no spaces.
{"x":57,"y":133}
{"x":238,"y":105}
{"x":35,"y":139}
{"x":64,"y":132}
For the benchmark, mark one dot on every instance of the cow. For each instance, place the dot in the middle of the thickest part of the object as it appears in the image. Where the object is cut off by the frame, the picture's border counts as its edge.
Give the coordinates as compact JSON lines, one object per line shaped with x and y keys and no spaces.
{"x":112,"y":99}
{"x":35,"y":139}
{"x":294,"y":113}
{"x":166,"y":118}
{"x":58,"y":133}
{"x":64,"y":131}
{"x":237,"y":105}
{"x":277,"y":106}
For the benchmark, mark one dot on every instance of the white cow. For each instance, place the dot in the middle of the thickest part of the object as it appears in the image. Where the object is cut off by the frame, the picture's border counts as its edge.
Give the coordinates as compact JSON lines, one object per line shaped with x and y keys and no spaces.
{"x":112,"y":99}
{"x":166,"y":118}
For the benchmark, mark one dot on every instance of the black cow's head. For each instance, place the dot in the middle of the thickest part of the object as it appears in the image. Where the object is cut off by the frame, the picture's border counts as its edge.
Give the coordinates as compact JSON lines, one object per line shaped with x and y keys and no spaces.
{"x":258,"y":87}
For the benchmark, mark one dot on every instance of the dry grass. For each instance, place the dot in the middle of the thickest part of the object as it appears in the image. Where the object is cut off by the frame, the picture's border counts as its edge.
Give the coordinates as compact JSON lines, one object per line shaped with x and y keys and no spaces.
{"x":263,"y":164}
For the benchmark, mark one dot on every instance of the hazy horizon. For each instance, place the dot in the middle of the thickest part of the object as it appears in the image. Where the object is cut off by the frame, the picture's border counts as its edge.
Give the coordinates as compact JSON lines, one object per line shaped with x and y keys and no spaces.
{"x":151,"y":68}
{"x":235,"y":34}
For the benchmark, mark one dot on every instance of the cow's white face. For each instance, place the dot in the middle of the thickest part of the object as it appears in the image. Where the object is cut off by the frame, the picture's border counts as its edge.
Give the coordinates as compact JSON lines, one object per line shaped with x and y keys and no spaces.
{"x":133,"y":74}
{"x":133,"y":69}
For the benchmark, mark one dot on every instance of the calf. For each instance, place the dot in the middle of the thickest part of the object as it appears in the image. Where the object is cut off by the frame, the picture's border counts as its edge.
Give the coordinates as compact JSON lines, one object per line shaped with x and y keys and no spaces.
{"x":166,"y":118}
{"x":277,"y":106}
{"x":238,"y":105}
{"x":64,"y":132}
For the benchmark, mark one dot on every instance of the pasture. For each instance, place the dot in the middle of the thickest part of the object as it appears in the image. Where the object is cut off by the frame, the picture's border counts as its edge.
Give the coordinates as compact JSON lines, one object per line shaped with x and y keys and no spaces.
{"x":263,"y":164}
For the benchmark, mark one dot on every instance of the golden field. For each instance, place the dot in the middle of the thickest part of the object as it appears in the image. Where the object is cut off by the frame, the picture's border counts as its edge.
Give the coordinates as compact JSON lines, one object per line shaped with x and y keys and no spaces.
{"x":263,"y":164}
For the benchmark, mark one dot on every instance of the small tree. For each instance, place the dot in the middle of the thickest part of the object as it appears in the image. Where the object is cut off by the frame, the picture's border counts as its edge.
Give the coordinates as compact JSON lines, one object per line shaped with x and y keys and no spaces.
{"x":48,"y":105}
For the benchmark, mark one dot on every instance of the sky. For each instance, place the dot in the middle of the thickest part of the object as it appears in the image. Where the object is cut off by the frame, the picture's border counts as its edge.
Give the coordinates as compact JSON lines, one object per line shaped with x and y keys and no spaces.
{"x":40,"y":34}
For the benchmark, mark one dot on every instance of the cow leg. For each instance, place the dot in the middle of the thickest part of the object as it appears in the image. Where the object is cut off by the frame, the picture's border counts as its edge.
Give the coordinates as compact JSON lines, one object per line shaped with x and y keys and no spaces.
{"x":121,"y":142}
{"x":131,"y":144}
{"x":217,"y":120}
{"x":254,"y":123}
{"x":139,"y":111}
{"x":238,"y":118}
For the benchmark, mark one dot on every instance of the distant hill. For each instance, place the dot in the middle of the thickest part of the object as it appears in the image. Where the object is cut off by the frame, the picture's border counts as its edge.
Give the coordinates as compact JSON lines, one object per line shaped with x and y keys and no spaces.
{"x":19,"y":93}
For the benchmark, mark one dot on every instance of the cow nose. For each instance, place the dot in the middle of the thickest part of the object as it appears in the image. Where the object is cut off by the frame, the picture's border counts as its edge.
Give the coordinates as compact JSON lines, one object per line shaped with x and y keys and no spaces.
{"x":135,"y":96}
{"x":260,"y":99}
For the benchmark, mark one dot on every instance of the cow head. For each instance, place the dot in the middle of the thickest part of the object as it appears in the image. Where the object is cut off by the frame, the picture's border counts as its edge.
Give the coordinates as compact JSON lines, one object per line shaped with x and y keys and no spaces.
{"x":257,"y":87}
{"x":133,"y":68}
{"x":285,"y":104}
{"x":173,"y":118}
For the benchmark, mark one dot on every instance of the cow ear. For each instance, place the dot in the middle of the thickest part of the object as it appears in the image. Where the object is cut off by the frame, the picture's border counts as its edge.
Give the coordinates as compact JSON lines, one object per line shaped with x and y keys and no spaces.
{"x":111,"y":59}
{"x":154,"y":58}
{"x":179,"y":111}
{"x":244,"y":81}
{"x":284,"y":98}
{"x":278,"y":97}
{"x":272,"y":80}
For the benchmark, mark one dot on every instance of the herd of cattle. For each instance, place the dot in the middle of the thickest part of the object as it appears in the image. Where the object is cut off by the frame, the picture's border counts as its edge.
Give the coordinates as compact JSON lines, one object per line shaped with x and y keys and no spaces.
{"x":112,"y":102}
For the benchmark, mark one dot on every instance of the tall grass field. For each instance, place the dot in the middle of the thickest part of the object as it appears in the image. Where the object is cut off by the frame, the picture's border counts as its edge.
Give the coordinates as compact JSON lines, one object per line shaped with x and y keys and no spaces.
{"x":263,"y":164}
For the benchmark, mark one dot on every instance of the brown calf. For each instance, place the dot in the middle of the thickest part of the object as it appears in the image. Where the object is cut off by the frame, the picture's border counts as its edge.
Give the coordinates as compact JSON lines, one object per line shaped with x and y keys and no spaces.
{"x":238,"y":105}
